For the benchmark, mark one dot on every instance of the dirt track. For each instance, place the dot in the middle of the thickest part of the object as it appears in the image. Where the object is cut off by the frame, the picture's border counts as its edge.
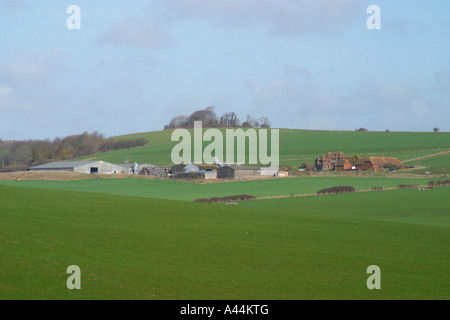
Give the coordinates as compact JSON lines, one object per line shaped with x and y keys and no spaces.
{"x":45,"y":175}
{"x":64,"y":176}
{"x":427,"y":156}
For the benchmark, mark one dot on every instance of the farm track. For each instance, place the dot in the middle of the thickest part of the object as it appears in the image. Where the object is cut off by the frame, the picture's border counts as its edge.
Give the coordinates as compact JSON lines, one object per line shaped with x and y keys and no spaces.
{"x":428,"y":156}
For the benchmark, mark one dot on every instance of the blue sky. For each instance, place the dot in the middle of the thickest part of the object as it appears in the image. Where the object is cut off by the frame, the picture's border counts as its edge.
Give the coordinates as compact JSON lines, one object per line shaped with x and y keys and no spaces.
{"x":134,"y":65}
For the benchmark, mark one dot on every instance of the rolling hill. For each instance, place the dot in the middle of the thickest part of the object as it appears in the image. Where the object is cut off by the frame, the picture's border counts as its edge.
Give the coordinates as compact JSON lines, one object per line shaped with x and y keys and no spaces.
{"x":140,"y":238}
{"x":303,"y":248}
{"x":190,"y":191}
{"x":298,"y":146}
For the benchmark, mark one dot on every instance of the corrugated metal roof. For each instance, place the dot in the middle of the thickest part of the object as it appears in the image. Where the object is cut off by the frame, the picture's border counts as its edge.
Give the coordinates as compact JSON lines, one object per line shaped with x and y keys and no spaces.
{"x":63,"y":164}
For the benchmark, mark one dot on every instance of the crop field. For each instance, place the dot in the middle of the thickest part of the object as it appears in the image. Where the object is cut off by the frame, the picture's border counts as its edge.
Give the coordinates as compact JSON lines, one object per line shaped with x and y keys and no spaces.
{"x":298,"y":146}
{"x":189,"y":191}
{"x":141,"y":238}
{"x":300,"y":248}
{"x":436,"y":164}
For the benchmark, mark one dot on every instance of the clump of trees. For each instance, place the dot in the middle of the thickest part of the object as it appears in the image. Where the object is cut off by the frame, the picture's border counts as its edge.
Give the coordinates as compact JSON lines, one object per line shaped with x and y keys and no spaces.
{"x":338,"y":189}
{"x":210,"y":120}
{"x":354,"y":158}
{"x":407,"y":186}
{"x":439,"y":183}
{"x":227,"y":198}
{"x":20,"y":154}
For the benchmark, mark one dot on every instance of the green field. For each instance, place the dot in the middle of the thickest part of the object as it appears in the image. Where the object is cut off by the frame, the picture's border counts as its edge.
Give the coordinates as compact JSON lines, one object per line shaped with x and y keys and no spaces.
{"x":300,"y":248}
{"x":437,"y":164}
{"x":189,"y":191}
{"x":138,"y":238}
{"x":298,"y":146}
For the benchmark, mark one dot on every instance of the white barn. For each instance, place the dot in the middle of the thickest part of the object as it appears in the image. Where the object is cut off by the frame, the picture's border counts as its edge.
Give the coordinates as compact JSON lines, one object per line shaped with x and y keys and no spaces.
{"x":81,"y":167}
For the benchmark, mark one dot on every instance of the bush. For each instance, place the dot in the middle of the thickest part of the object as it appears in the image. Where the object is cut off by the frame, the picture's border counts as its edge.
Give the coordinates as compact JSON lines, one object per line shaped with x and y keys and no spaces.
{"x":407,"y":186}
{"x":226,"y":199}
{"x":377,"y":189}
{"x":439,"y":182}
{"x":338,"y":189}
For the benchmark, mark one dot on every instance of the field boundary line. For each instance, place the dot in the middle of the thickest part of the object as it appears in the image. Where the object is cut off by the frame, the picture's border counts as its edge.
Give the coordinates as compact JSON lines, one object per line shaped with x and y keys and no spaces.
{"x":326,"y":194}
{"x":429,"y":156}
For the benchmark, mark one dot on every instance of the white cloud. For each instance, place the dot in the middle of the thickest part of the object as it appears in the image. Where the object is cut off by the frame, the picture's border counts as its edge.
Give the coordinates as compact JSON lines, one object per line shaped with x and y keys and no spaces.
{"x":138,"y":32}
{"x":23,"y":79}
{"x":13,"y":4}
{"x":374,"y":106}
{"x":280,"y":16}
{"x":4,"y":90}
{"x":442,"y":78}
{"x":24,"y":69}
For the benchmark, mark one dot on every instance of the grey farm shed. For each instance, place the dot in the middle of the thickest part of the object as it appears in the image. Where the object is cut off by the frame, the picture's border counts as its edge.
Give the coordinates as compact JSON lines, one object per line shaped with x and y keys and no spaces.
{"x":243,"y":172}
{"x":238,"y":172}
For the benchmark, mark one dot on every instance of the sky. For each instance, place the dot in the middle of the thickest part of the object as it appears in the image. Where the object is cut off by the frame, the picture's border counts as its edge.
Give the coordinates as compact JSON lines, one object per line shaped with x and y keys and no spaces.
{"x":134,"y":65}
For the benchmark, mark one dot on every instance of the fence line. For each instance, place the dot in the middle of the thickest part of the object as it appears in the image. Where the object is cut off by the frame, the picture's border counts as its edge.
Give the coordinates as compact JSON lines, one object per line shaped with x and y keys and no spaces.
{"x":360,"y":190}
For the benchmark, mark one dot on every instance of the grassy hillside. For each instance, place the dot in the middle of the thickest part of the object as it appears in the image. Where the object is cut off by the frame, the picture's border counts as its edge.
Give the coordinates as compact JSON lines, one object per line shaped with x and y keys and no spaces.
{"x":189,"y":191}
{"x":137,"y":238}
{"x":439,"y":164}
{"x":304,"y":248}
{"x":298,"y":146}
{"x":419,"y":208}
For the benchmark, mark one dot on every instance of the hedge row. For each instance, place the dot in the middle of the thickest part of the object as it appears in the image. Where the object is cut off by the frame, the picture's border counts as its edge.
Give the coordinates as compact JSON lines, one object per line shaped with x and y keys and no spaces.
{"x":226,"y":199}
{"x":338,"y":189}
{"x":407,"y":186}
{"x":439,"y":183}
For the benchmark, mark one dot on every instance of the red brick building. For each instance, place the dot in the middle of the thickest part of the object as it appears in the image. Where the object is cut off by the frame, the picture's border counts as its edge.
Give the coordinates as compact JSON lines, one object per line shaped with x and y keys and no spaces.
{"x":328,"y":161}
{"x":343,"y":165}
{"x":378,"y":163}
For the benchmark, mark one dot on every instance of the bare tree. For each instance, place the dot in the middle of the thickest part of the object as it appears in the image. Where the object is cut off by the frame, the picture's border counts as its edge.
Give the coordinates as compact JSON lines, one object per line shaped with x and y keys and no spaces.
{"x":264,"y":122}
{"x":229,"y":119}
{"x":176,"y":122}
{"x":207,"y":116}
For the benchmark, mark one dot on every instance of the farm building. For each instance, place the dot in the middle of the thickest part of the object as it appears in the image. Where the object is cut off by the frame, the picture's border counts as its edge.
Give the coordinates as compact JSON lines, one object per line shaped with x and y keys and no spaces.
{"x":135,"y":168}
{"x":177,"y":168}
{"x":155,"y":171}
{"x":343,"y":165}
{"x":393,"y":162}
{"x":193,"y":171}
{"x":208,"y":167}
{"x":306,"y":166}
{"x":282,"y":173}
{"x":81,"y":167}
{"x":243,"y":172}
{"x":207,"y":170}
{"x":378,"y":163}
{"x":328,"y":161}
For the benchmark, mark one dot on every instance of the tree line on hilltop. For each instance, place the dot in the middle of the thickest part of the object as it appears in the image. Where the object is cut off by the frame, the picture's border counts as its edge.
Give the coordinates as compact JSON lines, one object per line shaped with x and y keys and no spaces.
{"x":15,"y":154}
{"x":210,"y":120}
